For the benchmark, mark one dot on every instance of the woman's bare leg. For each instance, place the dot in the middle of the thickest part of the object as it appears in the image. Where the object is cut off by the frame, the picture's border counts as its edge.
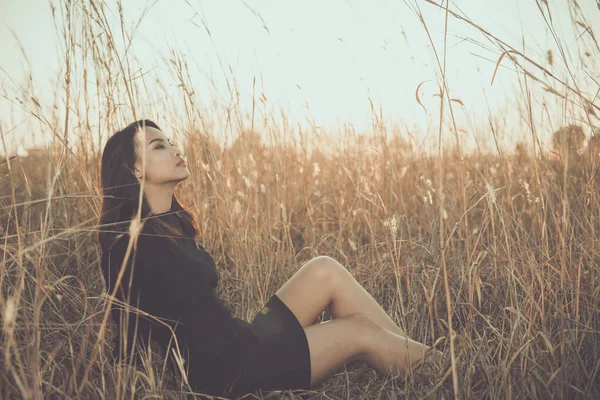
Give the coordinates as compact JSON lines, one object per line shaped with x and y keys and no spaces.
{"x":334,"y":343}
{"x":350,"y":297}
{"x":324,"y":282}
{"x":390,"y":353}
{"x":357,"y":338}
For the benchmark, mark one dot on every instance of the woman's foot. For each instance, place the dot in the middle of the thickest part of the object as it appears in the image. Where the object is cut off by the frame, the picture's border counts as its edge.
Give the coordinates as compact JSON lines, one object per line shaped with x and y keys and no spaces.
{"x":433,"y":361}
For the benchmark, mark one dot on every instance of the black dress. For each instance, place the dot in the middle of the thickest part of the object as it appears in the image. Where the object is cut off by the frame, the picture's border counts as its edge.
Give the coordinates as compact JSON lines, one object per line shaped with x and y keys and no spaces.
{"x":224,"y":355}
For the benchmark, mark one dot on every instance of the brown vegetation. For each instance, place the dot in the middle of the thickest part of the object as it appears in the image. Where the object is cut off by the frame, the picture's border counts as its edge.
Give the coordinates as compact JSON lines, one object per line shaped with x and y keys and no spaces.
{"x":492,"y":258}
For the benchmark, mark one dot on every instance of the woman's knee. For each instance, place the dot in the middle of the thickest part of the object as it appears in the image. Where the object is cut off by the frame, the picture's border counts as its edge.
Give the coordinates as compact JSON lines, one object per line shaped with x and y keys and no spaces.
{"x":325,"y":268}
{"x":366,"y":332}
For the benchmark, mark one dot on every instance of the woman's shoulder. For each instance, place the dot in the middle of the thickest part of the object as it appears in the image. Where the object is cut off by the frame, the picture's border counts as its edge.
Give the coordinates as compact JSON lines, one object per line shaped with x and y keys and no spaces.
{"x":120,"y":242}
{"x":146,"y":256}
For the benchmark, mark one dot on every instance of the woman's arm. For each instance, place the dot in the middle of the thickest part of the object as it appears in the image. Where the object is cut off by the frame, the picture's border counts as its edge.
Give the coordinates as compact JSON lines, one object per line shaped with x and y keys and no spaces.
{"x":166,"y":284}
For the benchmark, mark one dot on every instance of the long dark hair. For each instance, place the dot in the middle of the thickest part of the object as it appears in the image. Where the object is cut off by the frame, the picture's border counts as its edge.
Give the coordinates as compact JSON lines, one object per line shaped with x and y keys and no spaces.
{"x":121,"y":192}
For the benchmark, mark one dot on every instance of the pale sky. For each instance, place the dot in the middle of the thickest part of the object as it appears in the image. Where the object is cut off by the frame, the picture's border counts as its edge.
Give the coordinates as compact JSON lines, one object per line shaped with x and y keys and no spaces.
{"x":319,"y":59}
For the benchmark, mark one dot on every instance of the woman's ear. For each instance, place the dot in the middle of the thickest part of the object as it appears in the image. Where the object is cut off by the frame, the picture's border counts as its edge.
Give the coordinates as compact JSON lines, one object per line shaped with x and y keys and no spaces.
{"x":138,"y":172}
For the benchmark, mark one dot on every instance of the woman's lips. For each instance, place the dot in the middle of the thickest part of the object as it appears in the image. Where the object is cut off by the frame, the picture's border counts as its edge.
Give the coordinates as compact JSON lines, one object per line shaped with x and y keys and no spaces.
{"x":181,"y":164}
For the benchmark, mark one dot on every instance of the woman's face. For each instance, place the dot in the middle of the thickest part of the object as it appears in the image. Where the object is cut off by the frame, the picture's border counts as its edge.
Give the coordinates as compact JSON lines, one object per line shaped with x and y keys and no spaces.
{"x":162,"y":157}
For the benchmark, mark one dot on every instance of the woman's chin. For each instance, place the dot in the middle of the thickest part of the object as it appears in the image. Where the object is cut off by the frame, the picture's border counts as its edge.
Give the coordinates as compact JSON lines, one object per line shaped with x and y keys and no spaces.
{"x":183,"y":177}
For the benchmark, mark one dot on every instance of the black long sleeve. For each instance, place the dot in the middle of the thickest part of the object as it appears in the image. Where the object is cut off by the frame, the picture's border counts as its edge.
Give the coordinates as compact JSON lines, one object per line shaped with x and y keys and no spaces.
{"x":178,"y":285}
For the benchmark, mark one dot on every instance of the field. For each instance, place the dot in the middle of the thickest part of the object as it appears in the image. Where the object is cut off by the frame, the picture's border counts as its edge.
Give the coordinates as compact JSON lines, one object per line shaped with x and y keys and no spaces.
{"x":491,"y":256}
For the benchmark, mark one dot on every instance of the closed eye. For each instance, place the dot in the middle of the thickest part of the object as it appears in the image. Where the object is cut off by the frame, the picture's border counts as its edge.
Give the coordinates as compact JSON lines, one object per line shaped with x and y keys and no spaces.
{"x":160,"y":146}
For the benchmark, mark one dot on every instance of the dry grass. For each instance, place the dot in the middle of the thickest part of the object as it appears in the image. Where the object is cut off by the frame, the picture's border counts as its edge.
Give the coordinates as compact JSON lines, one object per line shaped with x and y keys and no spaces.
{"x":492,"y":256}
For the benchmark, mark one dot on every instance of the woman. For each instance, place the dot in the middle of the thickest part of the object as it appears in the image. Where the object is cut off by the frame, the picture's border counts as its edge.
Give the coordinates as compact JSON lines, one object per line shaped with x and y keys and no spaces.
{"x":170,"y":277}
